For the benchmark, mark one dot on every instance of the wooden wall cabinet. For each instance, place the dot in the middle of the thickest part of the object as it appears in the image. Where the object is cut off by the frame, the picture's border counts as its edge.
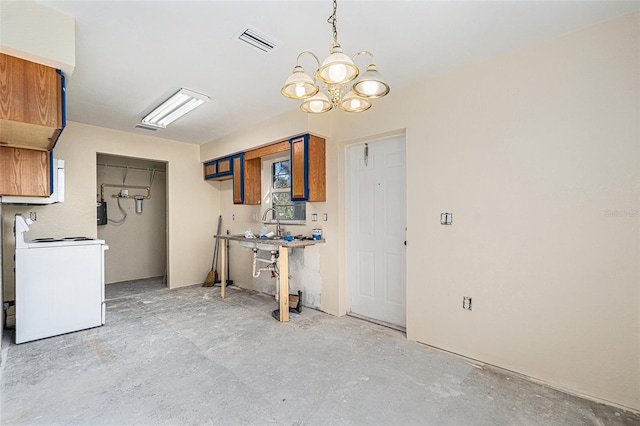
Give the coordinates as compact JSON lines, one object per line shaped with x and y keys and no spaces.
{"x":308,"y":168}
{"x":253,"y":170}
{"x":32,"y":104}
{"x":220,"y":169}
{"x":252,"y":181}
{"x":226,"y":168}
{"x":24,"y":172}
{"x":308,"y":175}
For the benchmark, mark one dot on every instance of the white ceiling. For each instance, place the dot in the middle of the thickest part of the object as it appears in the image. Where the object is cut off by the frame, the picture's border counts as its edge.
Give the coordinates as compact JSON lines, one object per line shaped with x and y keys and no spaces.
{"x":132,"y":55}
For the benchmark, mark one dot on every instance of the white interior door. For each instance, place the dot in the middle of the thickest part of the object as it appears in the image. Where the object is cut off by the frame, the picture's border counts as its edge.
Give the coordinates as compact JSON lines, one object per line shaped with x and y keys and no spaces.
{"x":376,"y":223}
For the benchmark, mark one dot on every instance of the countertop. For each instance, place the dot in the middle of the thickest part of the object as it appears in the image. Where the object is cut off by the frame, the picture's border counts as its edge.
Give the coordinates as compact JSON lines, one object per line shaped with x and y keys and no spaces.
{"x":278,"y":242}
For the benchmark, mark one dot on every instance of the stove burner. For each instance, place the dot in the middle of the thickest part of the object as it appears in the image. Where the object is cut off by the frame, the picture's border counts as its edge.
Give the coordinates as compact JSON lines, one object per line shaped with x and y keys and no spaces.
{"x":57,"y":240}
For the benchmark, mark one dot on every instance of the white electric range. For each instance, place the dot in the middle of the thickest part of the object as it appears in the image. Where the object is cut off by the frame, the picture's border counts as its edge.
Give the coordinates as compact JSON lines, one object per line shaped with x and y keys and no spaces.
{"x":59,"y":284}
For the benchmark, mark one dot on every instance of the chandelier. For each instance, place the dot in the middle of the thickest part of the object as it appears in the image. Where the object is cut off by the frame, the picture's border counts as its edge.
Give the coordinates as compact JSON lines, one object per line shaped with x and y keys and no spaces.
{"x":336,"y":73}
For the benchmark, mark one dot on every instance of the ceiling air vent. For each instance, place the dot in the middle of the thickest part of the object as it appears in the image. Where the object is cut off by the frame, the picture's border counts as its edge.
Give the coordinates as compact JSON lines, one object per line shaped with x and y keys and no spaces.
{"x":256,"y":40}
{"x":143,"y":127}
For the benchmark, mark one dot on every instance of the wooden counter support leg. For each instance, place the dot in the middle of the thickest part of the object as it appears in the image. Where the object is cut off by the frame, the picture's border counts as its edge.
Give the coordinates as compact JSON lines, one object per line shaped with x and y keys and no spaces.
{"x":284,"y":283}
{"x":223,"y":267}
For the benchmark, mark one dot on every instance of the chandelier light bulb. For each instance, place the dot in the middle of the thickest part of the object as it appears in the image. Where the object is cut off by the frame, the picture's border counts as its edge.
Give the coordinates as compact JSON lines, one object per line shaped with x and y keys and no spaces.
{"x":300,"y":90}
{"x":353,"y":103}
{"x":372,"y":87}
{"x":337,"y":68}
{"x":370,"y":84}
{"x":337,"y":72}
{"x":315,"y":106}
{"x":299,"y":85}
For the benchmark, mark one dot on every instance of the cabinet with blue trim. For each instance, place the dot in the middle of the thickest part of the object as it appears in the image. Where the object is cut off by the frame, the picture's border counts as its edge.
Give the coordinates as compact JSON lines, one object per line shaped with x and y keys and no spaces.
{"x":308,"y":156}
{"x":220,"y":169}
{"x":308,"y":168}
{"x":32,"y":118}
{"x":225,"y":168}
{"x":238,"y":178}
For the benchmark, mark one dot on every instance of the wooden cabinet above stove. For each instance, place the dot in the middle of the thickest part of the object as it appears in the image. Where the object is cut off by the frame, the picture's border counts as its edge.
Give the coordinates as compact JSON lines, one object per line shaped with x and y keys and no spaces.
{"x":32,"y":104}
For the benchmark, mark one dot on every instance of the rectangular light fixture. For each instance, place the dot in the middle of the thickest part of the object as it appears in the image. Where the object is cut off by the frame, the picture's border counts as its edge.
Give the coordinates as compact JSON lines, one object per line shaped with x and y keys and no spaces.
{"x":174,"y":108}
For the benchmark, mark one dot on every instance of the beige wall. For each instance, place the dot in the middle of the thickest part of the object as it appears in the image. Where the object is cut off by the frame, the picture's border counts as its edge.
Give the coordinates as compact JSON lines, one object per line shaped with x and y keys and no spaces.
{"x":536,"y":153}
{"x":190,"y":200}
{"x":137,"y":247}
{"x":530,"y":152}
{"x":34,"y":32}
{"x":273,"y":130}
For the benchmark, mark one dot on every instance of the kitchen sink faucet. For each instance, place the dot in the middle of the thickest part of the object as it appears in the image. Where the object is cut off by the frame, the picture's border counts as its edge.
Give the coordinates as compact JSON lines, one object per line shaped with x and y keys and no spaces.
{"x":279,"y":230}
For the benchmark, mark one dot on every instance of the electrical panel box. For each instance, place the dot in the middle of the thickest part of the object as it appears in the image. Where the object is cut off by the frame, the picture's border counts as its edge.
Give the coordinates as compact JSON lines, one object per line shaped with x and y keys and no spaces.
{"x":102,"y":212}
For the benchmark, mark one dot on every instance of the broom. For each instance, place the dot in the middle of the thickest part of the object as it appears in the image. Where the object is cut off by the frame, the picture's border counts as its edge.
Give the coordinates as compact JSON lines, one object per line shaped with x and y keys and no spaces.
{"x":212,"y":276}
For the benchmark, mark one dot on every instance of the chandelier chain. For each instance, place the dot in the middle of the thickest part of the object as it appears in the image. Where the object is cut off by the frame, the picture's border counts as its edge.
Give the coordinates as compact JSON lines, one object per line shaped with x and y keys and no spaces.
{"x":333,"y":20}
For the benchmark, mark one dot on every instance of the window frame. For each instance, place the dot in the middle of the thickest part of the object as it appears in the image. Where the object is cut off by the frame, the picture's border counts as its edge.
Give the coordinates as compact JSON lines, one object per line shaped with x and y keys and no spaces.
{"x":267,"y":179}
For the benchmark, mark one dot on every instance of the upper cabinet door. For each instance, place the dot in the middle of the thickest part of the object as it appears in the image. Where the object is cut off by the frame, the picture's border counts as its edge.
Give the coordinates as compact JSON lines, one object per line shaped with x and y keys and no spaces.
{"x":24,"y":172}
{"x":308,"y":168}
{"x":31,"y":103}
{"x":299,"y":169}
{"x":225,"y":167}
{"x":238,"y":179}
{"x":210,"y":169}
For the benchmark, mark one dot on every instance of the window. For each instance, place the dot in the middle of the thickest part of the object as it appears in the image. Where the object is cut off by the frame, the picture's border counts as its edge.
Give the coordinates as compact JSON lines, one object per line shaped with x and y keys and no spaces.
{"x":278,"y":176}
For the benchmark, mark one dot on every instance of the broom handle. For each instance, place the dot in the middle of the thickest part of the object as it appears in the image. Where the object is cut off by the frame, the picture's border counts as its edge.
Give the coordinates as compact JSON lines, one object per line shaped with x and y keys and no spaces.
{"x":215,"y":250}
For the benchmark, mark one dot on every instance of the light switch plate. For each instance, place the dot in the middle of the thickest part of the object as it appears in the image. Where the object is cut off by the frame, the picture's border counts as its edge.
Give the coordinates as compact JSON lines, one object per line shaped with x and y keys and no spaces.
{"x":325,"y":217}
{"x":466,"y":303}
{"x":446,"y":218}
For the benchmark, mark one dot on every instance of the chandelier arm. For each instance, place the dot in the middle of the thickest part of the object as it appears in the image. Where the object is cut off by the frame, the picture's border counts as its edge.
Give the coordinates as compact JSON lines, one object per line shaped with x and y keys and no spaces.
{"x":363,"y":52}
{"x":306,"y":52}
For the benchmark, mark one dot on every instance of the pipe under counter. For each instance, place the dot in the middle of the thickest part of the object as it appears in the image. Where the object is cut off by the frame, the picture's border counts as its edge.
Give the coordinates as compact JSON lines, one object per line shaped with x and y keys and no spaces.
{"x":283,"y":258}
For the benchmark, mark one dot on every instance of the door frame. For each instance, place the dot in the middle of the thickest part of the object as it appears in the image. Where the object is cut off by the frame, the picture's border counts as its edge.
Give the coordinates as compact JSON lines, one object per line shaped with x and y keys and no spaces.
{"x":346,"y":174}
{"x":142,"y":160}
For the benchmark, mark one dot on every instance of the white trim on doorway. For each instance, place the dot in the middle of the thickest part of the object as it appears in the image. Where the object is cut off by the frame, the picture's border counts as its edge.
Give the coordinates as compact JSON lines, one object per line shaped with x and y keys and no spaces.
{"x":375,"y":210}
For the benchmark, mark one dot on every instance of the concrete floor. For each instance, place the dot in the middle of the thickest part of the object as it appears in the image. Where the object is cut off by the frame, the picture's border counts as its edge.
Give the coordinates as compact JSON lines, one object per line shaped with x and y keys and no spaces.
{"x":187,"y":357}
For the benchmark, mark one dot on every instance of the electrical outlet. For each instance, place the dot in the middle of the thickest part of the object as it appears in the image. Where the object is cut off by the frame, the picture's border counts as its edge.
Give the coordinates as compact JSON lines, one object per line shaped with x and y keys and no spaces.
{"x":466,"y":303}
{"x":255,"y":217}
{"x":32,"y":216}
{"x":314,"y":217}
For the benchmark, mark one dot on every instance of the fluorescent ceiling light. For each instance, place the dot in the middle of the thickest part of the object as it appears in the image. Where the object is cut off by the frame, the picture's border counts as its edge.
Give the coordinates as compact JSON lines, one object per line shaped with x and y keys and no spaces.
{"x":174,"y":108}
